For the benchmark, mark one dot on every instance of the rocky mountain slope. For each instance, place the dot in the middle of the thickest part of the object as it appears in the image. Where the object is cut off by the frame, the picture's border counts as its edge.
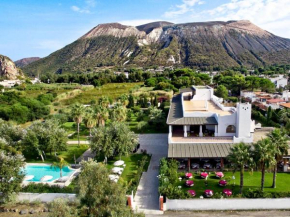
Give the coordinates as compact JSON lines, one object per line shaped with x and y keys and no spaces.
{"x":207,"y":45}
{"x":25,"y":61}
{"x":8,"y":70}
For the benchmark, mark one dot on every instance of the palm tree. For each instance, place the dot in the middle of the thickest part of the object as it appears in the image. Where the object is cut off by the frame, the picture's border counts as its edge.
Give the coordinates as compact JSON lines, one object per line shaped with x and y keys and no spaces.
{"x":119,"y":113}
{"x":60,"y":165}
{"x":124,"y":100}
{"x":90,"y":119}
{"x":284,"y":115}
{"x":264,"y":153}
{"x":77,"y":112}
{"x":102,"y":115}
{"x":239,"y":156}
{"x":104,"y":101}
{"x":279,"y":139}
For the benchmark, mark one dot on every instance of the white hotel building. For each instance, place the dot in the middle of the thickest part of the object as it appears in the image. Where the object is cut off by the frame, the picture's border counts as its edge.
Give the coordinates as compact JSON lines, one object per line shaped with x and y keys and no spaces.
{"x":200,"y":126}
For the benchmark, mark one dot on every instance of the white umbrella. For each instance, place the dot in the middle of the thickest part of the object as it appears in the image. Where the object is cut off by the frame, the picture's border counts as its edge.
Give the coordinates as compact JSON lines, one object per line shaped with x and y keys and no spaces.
{"x":46,"y":178}
{"x":117,"y":169}
{"x":119,"y":163}
{"x":28,"y":177}
{"x":113,"y":177}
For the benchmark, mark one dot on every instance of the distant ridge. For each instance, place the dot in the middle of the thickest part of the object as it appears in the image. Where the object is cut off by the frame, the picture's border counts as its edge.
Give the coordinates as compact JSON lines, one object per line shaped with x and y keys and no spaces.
{"x":25,"y":61}
{"x":205,"y":45}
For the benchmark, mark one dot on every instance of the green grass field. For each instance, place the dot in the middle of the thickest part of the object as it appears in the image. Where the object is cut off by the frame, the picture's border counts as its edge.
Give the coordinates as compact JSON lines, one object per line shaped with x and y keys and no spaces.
{"x":131,"y":162}
{"x":251,"y":181}
{"x":112,"y":90}
{"x":68,"y":155}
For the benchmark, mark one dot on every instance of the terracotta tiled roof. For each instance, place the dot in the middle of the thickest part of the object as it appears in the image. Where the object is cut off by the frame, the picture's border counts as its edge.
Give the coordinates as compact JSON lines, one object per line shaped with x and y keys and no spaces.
{"x":286,"y":105}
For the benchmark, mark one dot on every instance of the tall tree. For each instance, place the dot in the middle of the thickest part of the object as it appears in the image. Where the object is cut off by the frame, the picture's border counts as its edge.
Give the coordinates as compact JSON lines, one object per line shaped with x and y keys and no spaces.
{"x":264,"y":153}
{"x":44,"y":137}
{"x":119,"y":113}
{"x":60,"y":164}
{"x":90,"y":118}
{"x":102,"y":114}
{"x":222,"y":92}
{"x":77,"y":112}
{"x":98,"y":195}
{"x":115,"y":138}
{"x":11,"y":174}
{"x":239,"y":156}
{"x":278,"y":138}
{"x":269,"y":114}
{"x":131,"y":103}
{"x":104,"y":101}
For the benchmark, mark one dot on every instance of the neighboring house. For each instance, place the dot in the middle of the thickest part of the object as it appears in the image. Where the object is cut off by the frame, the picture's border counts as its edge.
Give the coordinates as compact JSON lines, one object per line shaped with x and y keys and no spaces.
{"x":200,"y":126}
{"x":10,"y":83}
{"x":285,"y":105}
{"x":274,"y":103}
{"x":279,"y":81}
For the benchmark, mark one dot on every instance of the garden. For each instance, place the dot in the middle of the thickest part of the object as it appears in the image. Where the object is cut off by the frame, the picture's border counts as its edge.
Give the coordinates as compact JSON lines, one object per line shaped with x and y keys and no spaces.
{"x":181,"y":185}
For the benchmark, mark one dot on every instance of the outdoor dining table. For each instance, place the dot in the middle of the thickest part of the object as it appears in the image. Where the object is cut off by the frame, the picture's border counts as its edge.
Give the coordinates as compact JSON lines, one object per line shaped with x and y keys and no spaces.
{"x":191,"y":192}
{"x":222,"y":182}
{"x":195,"y":166}
{"x":204,"y":175}
{"x":208,"y":193}
{"x":188,"y":175}
{"x":227,"y":192}
{"x":207,"y":166}
{"x":189,"y":183}
{"x":219,"y":174}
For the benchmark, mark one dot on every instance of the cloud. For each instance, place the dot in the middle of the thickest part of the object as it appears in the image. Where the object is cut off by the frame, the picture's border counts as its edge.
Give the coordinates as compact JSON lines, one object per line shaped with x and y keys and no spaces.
{"x":271,"y":15}
{"x":136,"y":22}
{"x":88,"y":5}
{"x":186,"y":6}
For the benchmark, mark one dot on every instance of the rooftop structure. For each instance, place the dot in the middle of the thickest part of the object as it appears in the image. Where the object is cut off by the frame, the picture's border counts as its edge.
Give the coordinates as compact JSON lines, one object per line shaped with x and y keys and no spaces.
{"x":198,"y":120}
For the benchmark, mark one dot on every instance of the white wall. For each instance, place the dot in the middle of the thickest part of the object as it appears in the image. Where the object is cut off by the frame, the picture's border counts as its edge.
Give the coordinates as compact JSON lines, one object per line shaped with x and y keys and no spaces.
{"x":203,"y":94}
{"x":228,"y":204}
{"x":44,"y":197}
{"x":243,"y":120}
{"x":224,"y":122}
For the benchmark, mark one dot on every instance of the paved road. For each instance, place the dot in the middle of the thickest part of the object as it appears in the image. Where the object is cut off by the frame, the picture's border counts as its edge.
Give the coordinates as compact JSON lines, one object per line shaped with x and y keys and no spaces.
{"x":269,"y":213}
{"x":147,"y":198}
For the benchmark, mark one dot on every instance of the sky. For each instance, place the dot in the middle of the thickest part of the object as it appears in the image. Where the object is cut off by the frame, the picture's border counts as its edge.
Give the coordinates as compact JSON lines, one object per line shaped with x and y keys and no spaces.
{"x":36,"y":28}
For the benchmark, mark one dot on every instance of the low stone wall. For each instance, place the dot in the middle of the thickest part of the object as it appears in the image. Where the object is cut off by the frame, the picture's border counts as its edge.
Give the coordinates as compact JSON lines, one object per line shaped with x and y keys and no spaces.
{"x":228,"y":204}
{"x":44,"y":197}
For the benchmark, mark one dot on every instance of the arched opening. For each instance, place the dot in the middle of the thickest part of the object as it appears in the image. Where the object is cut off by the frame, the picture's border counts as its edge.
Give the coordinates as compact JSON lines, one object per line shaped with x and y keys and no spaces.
{"x":231,"y":129}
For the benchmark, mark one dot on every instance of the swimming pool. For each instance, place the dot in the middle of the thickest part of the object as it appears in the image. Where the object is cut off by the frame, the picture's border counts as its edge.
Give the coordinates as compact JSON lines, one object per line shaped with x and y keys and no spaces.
{"x":39,"y":171}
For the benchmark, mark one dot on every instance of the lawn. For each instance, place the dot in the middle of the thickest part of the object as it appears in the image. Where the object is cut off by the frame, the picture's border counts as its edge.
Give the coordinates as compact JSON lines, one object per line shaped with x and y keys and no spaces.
{"x":67,"y":155}
{"x":71,"y":128}
{"x":132,"y":163}
{"x":251,"y":181}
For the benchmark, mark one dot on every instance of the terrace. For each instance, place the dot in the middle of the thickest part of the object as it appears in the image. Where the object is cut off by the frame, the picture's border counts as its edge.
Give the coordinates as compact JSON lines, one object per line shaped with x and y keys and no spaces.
{"x":203,"y":106}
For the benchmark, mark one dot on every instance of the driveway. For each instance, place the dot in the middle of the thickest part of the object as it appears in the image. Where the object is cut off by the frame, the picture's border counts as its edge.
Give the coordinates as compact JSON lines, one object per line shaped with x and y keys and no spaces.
{"x":147,"y":197}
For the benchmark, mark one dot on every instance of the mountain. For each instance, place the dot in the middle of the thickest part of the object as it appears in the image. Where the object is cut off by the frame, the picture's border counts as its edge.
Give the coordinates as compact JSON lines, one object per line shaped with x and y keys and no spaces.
{"x":25,"y":61}
{"x":206,"y":45}
{"x":8,"y":70}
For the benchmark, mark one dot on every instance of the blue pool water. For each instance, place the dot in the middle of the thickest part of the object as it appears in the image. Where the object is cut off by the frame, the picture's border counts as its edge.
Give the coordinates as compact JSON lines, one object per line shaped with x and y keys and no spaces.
{"x":38,"y":171}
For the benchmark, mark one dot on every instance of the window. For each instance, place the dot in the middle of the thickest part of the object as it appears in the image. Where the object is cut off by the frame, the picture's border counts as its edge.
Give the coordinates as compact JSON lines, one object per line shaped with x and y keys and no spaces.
{"x":231,"y":129}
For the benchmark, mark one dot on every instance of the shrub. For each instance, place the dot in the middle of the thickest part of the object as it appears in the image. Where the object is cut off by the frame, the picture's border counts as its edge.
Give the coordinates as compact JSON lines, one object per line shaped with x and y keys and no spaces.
{"x":45,"y":188}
